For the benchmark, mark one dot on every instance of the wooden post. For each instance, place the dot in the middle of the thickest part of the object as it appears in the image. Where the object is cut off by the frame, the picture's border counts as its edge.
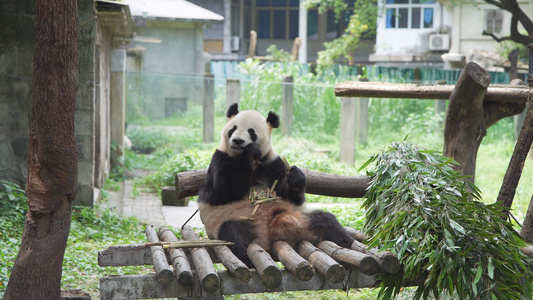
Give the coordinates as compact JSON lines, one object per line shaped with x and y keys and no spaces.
{"x":233,"y":91}
{"x":465,"y":126}
{"x":293,"y":262}
{"x":177,"y":257}
{"x":354,"y":259}
{"x":324,"y":264}
{"x":253,"y":44}
{"x":159,"y":259}
{"x":286,"y":106}
{"x":236,"y":267}
{"x":209,"y":108}
{"x":361,"y":119}
{"x":202,"y":263}
{"x":265,"y":265}
{"x":347,"y":153}
{"x":118,"y":103}
{"x":440,"y":105}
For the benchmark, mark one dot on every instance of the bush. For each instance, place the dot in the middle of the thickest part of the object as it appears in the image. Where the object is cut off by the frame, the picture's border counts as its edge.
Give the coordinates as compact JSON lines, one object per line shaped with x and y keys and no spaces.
{"x":447,"y":241}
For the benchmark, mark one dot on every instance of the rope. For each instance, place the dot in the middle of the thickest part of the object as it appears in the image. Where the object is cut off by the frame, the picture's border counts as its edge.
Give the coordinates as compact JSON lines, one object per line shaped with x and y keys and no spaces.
{"x":189,"y":219}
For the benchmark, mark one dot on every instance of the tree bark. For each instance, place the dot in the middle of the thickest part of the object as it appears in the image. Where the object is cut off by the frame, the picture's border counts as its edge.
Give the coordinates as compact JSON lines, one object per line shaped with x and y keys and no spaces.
{"x":52,"y":156}
{"x":465,"y":123}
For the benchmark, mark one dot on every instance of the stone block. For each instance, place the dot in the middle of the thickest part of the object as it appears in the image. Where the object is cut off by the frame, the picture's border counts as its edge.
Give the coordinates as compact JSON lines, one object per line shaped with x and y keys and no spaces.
{"x":170,"y":197}
{"x":85,"y":195}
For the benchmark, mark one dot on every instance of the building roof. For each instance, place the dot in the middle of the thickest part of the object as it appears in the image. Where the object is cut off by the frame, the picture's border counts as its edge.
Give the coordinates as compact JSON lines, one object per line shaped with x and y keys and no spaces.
{"x":171,"y":10}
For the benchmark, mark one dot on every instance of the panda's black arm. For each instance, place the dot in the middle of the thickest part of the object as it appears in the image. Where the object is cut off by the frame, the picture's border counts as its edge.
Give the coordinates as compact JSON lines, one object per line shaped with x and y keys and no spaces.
{"x":228,"y":179}
{"x":291,"y":183}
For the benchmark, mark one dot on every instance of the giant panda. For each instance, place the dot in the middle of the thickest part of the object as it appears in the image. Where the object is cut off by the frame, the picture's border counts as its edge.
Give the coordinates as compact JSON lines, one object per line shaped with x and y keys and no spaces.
{"x":245,"y":158}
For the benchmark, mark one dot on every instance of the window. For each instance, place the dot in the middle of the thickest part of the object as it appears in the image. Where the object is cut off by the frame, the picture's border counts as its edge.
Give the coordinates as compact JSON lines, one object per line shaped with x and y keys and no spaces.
{"x":277,"y":19}
{"x":336,"y":27}
{"x":493,"y":21}
{"x":412,"y":14}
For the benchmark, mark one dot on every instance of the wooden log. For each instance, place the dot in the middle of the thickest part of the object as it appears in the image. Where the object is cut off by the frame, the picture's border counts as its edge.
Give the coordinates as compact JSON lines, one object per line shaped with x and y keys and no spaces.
{"x":495,"y":93}
{"x":234,"y":265}
{"x":353,"y":259}
{"x":265,"y":265}
{"x":178,"y":258}
{"x":327,"y":266}
{"x":202,"y":263}
{"x":387,"y":261}
{"x":253,"y":44}
{"x":358,"y":235}
{"x":189,"y":183}
{"x":465,"y":126}
{"x":293,"y":262}
{"x":161,"y":266}
{"x":125,"y":255}
{"x":145,"y":286}
{"x":527,"y":250}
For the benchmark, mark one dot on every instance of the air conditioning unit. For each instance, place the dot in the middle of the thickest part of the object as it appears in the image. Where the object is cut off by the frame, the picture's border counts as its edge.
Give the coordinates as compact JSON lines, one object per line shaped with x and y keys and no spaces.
{"x":235,"y":43}
{"x":439,"y":42}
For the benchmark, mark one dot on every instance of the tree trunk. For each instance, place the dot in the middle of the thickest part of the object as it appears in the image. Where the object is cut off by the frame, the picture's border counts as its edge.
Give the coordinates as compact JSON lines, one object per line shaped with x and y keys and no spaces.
{"x":52,"y":156}
{"x":469,"y":117}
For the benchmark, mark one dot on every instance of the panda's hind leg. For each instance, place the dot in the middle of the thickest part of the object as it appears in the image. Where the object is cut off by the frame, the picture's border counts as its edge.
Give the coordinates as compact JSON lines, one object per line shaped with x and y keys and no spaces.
{"x":326,"y":226}
{"x":241,"y":233}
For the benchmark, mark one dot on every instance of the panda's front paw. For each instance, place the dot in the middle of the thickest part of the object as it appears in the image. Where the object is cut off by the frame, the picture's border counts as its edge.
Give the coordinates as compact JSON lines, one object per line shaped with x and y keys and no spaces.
{"x":296,"y":179}
{"x":252,"y":153}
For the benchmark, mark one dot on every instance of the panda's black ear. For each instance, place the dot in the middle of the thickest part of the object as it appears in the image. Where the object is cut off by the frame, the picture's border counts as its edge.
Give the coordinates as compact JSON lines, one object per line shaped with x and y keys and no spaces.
{"x":232,"y":110}
{"x":273,"y":120}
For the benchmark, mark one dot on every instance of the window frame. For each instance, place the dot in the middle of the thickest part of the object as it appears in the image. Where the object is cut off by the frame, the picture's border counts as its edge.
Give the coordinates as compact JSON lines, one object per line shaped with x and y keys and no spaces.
{"x":271,"y":9}
{"x":410,"y":5}
{"x":493,"y":21}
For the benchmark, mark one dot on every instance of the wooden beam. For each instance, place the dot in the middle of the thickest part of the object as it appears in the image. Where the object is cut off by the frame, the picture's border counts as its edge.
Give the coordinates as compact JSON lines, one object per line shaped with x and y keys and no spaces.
{"x":495,"y":93}
{"x":177,"y":257}
{"x":125,"y":255}
{"x":159,"y":258}
{"x":189,"y":184}
{"x":145,"y":286}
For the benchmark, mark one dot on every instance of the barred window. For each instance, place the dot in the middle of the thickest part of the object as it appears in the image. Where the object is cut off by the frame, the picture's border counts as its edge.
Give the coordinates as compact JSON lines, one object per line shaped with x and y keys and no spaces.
{"x":493,"y":21}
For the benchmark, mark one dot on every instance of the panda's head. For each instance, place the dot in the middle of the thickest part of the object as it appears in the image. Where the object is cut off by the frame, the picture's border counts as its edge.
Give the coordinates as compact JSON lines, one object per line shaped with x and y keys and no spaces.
{"x":247,"y":127}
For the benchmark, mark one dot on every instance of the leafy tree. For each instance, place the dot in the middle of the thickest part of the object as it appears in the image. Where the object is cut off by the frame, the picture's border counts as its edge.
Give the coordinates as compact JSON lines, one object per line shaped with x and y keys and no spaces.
{"x":362,"y":23}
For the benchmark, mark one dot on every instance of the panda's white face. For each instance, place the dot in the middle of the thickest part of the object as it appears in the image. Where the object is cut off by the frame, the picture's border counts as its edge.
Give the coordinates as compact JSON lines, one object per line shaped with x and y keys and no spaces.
{"x":246,"y":127}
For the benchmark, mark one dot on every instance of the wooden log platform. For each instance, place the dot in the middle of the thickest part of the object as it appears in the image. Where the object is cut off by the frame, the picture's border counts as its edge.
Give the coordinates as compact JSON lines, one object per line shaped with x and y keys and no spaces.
{"x":195,"y":275}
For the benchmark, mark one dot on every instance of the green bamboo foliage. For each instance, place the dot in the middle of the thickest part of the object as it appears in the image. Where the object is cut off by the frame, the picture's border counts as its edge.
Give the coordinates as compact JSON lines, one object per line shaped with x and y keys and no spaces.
{"x":449,"y":243}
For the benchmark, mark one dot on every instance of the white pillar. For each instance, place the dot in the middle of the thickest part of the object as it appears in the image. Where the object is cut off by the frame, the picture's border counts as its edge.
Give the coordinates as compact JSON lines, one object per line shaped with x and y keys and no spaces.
{"x":226,"y":48}
{"x":302,"y":33}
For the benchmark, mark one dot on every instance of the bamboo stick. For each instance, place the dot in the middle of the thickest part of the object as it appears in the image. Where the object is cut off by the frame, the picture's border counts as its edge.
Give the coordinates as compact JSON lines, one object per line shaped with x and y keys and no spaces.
{"x":159,"y":259}
{"x":327,"y":266}
{"x":177,"y":257}
{"x":235,"y":266}
{"x":387,"y":261}
{"x":353,"y":259}
{"x":188,"y":244}
{"x":266,"y":267}
{"x":202,"y":263}
{"x":293,"y":262}
{"x":495,"y":93}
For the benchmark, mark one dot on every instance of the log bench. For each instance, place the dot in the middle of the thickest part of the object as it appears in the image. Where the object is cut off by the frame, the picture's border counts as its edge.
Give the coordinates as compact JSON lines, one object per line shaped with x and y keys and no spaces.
{"x":211,"y":272}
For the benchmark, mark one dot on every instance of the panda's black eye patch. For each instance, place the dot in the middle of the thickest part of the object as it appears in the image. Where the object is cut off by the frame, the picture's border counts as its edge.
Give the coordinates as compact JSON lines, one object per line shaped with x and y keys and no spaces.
{"x":253,"y":135}
{"x":232,"y":130}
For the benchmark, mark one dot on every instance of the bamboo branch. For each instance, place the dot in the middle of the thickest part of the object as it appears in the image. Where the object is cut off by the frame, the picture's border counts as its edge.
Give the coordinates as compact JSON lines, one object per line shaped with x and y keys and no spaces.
{"x":159,"y":259}
{"x":327,"y":266}
{"x":293,"y":262}
{"x":265,"y":265}
{"x":188,"y":244}
{"x":202,"y":263}
{"x":177,"y":257}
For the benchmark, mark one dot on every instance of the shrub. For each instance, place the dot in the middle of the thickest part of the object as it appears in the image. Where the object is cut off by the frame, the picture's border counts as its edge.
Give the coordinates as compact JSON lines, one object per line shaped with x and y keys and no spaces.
{"x":447,"y":241}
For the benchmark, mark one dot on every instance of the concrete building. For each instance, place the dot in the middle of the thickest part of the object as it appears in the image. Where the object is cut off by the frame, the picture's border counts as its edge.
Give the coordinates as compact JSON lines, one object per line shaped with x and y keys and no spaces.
{"x":276,"y":22}
{"x":103,"y":27}
{"x":166,"y":58}
{"x":439,"y":33}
